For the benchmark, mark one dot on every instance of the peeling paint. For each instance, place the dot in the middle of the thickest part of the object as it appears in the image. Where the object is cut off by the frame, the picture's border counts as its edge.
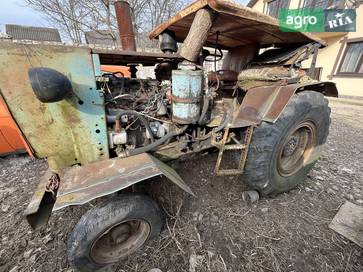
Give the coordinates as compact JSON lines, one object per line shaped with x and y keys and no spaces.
{"x":72,"y":131}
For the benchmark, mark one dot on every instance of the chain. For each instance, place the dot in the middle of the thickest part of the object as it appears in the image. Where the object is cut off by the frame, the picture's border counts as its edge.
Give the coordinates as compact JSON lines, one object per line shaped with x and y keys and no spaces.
{"x":53,"y":184}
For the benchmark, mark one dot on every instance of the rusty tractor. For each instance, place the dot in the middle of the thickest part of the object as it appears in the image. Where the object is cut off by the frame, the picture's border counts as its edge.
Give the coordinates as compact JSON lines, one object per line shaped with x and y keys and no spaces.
{"x":102,"y":133}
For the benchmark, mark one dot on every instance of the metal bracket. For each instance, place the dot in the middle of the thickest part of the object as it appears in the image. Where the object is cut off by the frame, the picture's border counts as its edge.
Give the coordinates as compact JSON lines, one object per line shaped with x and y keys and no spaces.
{"x":40,"y":207}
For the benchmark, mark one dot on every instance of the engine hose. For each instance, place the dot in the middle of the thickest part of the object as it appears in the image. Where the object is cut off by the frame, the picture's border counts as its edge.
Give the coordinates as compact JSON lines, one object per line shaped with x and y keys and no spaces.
{"x":204,"y":110}
{"x":157,"y":143}
{"x":140,"y":117}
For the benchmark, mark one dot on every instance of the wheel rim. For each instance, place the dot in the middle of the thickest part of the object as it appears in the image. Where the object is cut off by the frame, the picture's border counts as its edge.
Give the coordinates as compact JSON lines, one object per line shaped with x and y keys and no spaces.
{"x":119,"y":241}
{"x":297,"y":148}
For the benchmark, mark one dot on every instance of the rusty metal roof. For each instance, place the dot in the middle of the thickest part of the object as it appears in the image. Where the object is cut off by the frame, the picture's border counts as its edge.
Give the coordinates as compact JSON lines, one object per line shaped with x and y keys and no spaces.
{"x":238,"y":25}
{"x":122,"y":57}
{"x":33,"y":33}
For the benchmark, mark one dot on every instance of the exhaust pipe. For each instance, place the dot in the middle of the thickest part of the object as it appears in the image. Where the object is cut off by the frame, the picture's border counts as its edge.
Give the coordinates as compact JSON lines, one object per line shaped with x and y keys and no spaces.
{"x":125,"y":27}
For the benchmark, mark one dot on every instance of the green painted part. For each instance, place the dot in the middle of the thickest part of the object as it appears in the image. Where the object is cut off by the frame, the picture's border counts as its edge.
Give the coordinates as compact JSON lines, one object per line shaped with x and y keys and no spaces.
{"x":68,"y":132}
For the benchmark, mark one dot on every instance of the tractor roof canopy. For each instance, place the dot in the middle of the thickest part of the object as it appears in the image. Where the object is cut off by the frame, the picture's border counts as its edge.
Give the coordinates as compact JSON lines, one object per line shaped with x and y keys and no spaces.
{"x":237,"y":26}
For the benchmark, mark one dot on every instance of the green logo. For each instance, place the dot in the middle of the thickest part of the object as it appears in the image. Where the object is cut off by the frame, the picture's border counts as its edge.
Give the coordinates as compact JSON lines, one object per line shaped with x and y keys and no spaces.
{"x":302,"y":20}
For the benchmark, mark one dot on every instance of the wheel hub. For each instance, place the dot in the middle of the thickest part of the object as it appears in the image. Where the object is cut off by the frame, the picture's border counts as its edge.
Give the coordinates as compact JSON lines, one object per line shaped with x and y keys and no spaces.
{"x":297,"y":148}
{"x":119,"y":241}
{"x":291,"y":146}
{"x":119,"y":234}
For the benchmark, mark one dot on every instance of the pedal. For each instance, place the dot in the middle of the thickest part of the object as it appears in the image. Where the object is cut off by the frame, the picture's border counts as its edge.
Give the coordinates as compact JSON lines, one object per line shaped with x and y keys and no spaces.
{"x":223,"y":146}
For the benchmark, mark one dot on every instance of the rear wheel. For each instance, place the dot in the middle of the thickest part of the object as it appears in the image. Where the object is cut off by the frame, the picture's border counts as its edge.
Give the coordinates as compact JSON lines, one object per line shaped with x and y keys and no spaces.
{"x":282,"y":154}
{"x":113,"y":231}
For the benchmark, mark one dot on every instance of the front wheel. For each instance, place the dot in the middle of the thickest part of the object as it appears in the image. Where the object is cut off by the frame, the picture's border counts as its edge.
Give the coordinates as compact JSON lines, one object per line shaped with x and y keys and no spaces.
{"x":113,"y":231}
{"x":281,"y":154}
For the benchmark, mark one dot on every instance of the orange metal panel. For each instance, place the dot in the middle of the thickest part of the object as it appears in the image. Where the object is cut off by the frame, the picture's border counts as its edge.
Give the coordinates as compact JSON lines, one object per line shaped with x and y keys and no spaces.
{"x":11,"y":139}
{"x":115,"y":68}
{"x":5,"y":148}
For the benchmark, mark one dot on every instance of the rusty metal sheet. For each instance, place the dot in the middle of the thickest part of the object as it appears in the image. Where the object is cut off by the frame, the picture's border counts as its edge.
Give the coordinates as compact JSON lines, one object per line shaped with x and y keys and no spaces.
{"x":238,"y":25}
{"x":80,"y":185}
{"x":122,"y":57}
{"x":268,"y":102}
{"x":67,"y":132}
{"x":41,"y":204}
{"x":327,"y":88}
{"x":263,"y":104}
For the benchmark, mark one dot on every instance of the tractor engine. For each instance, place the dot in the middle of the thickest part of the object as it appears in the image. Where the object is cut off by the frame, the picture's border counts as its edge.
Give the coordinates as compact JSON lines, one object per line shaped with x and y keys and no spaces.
{"x":142,"y":112}
{"x":137,"y":110}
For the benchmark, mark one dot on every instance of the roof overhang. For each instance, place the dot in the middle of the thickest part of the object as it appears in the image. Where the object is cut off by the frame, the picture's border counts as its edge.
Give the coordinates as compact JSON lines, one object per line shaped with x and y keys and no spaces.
{"x":237,"y":26}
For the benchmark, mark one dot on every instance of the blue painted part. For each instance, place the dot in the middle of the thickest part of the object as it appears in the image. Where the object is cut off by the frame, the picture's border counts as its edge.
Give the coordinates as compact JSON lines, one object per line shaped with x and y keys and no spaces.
{"x":188,"y":85}
{"x":96,"y":64}
{"x":186,"y":111}
{"x":89,"y":133}
{"x":92,"y":111}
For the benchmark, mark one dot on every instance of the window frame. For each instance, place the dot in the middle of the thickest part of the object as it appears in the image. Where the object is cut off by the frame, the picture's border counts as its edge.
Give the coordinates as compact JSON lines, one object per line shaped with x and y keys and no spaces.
{"x":279,"y":6}
{"x":329,"y":3}
{"x":344,"y":55}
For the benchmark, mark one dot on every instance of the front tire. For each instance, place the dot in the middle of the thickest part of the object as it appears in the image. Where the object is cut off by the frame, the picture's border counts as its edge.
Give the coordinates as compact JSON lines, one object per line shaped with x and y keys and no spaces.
{"x":113,"y":231}
{"x":281,"y":154}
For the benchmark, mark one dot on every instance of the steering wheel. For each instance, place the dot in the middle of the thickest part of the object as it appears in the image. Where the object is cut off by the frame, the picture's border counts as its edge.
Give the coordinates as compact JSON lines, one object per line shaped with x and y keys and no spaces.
{"x":214,"y":57}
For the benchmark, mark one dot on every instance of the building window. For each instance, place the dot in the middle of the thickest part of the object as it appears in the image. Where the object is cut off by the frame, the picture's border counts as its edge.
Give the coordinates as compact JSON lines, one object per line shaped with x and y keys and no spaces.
{"x":352,"y":61}
{"x":274,"y":7}
{"x":324,"y":4}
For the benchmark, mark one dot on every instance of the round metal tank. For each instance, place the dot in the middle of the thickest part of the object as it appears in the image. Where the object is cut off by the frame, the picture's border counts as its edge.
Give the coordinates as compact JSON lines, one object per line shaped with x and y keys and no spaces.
{"x":187,"y":87}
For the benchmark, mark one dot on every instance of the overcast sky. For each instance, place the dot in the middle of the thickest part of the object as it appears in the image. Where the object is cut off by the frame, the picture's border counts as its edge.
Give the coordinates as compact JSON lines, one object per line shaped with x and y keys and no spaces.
{"x":15,"y":12}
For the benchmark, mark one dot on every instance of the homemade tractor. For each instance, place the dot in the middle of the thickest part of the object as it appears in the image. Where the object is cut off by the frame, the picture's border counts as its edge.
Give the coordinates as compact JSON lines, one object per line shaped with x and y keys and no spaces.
{"x":103,"y":132}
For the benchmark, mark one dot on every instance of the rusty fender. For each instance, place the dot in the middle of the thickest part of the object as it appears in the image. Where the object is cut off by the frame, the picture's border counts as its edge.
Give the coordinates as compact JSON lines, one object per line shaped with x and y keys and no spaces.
{"x":81,"y":184}
{"x":267,"y":103}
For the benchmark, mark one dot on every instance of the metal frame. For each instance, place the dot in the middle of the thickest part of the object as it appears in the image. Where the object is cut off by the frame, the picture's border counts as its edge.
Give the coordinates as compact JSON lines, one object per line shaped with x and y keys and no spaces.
{"x":224,"y":146}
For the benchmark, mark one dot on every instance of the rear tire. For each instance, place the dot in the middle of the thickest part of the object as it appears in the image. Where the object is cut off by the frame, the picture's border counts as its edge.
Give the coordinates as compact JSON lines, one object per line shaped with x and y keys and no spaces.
{"x":281,"y":154}
{"x":113,"y":231}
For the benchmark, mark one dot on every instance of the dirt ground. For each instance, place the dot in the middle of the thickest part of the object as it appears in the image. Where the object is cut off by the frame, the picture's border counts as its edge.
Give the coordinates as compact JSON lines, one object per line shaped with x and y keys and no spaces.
{"x":215,"y":231}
